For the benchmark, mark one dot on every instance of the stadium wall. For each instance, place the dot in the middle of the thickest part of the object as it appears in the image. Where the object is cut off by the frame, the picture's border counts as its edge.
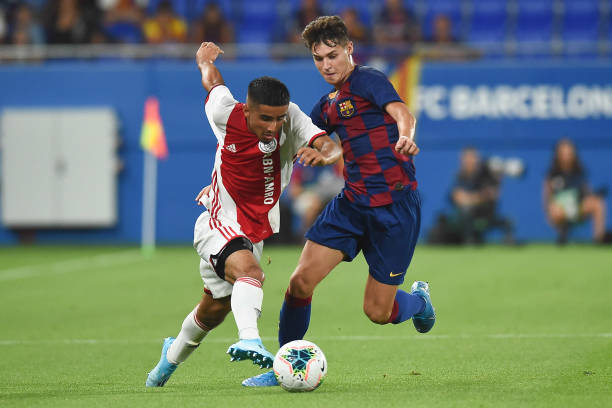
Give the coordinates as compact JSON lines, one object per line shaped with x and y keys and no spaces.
{"x":505,"y":109}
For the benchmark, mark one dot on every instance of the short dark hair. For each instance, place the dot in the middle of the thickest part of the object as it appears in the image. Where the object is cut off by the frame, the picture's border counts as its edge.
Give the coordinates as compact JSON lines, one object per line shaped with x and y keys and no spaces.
{"x":329,"y":30}
{"x":268,"y":91}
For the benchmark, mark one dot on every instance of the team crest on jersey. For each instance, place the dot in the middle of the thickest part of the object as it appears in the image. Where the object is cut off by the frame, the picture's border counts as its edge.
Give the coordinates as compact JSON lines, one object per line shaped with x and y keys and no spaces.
{"x":268,"y":147}
{"x":346,"y":108}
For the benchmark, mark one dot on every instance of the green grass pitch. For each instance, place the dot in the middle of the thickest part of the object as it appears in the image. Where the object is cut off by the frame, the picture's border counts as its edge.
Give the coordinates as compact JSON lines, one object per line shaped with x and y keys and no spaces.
{"x":517,"y":327}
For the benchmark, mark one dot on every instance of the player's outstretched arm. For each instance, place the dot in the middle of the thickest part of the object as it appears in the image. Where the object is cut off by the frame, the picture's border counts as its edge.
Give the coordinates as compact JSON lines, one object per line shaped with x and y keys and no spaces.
{"x":205,"y":58}
{"x":325,"y":152}
{"x":406,"y":124}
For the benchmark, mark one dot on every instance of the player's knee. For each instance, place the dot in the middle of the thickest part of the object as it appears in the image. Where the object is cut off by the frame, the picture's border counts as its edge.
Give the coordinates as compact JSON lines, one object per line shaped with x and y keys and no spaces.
{"x":376,"y":314}
{"x":255,"y":272}
{"x":250,"y":271}
{"x":300,"y":286}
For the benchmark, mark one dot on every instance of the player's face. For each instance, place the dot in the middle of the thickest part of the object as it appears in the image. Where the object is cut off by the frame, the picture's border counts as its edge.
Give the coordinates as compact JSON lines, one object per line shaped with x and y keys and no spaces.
{"x":334,"y":63}
{"x":264,"y":120}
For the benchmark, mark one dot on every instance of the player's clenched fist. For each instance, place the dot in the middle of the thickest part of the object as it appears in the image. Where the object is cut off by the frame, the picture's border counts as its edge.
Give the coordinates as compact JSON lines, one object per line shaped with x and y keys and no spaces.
{"x":208,"y":52}
{"x":406,"y":146}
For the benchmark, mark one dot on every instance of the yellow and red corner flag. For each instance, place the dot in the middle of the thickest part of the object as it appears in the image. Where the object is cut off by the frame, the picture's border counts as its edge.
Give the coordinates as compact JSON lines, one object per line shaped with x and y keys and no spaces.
{"x":152,"y":137}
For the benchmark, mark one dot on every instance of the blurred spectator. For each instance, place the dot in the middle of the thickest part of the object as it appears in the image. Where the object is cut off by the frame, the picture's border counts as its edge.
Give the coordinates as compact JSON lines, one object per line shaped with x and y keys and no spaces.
{"x":568,"y":199}
{"x":357,"y":32}
{"x":474,"y":197}
{"x":443,"y":46}
{"x":165,"y":26}
{"x":311,"y":188}
{"x":2,"y":24}
{"x":308,"y":11}
{"x":212,"y":26}
{"x":71,"y":21}
{"x":396,"y":25}
{"x":123,"y":20}
{"x":24,"y":29}
{"x":442,"y":31}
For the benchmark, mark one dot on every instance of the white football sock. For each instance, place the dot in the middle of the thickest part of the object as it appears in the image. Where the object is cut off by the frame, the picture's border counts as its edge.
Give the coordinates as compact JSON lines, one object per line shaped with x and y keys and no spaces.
{"x":191,"y":334}
{"x":247,"y":297}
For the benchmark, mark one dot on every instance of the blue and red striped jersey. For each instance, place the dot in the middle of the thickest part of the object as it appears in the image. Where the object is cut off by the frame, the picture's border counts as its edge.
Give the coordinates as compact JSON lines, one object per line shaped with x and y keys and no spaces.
{"x":375,"y":174}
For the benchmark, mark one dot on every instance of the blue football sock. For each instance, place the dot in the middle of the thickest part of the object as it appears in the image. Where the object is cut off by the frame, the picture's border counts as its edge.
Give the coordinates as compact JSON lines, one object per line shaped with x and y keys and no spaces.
{"x":294,"y":319}
{"x":405,"y":306}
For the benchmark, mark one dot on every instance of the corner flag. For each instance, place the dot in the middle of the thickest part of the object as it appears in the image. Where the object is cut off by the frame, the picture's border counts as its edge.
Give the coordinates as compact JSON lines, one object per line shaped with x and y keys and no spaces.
{"x":153,"y":141}
{"x":152,"y":137}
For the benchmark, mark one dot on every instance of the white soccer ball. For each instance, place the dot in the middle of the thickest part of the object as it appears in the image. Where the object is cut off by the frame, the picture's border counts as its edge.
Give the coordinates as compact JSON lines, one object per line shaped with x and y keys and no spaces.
{"x":300,"y":366}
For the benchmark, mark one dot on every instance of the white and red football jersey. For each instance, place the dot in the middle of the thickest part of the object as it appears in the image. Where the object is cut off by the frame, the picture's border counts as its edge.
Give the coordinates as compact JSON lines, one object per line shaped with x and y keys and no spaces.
{"x":250,"y":175}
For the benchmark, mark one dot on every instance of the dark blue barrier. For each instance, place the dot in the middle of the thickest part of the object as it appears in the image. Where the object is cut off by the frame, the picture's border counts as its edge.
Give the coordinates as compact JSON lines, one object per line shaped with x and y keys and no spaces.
{"x":124,"y":86}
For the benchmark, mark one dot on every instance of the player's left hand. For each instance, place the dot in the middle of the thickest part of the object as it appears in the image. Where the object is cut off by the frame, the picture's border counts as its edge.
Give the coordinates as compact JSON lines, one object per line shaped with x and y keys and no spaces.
{"x":308,"y":156}
{"x":407,"y":146}
{"x":202,"y":192}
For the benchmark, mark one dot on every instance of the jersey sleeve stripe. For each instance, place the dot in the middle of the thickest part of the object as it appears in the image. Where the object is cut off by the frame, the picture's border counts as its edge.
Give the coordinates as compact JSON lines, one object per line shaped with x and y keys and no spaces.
{"x":312,"y":139}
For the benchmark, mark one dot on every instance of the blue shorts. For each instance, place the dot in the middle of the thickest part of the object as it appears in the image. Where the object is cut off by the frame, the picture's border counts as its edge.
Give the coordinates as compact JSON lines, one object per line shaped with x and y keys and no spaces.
{"x":387,"y":235}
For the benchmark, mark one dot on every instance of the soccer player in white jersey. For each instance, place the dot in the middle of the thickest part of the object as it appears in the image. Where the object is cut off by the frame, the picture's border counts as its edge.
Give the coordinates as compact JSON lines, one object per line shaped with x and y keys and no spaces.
{"x":257,"y":144}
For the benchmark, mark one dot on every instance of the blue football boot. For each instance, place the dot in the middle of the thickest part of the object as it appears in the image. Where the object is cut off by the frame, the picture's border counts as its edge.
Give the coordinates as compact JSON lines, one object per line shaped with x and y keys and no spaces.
{"x":262,"y":380}
{"x":164,"y":369}
{"x":425,"y":320}
{"x":251,"y":349}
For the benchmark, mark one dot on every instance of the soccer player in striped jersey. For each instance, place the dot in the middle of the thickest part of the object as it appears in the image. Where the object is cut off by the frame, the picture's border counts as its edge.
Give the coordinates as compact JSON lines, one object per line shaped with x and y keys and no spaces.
{"x":257,"y":143}
{"x":378,"y":211}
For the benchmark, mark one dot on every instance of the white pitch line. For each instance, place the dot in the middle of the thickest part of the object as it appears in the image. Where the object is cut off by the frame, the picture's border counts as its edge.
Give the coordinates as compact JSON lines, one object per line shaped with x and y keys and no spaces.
{"x":316,"y":338}
{"x":71,"y":265}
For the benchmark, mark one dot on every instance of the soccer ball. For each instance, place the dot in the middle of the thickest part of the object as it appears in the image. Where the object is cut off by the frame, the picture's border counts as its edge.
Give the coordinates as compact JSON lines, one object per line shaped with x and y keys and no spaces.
{"x":300,"y":366}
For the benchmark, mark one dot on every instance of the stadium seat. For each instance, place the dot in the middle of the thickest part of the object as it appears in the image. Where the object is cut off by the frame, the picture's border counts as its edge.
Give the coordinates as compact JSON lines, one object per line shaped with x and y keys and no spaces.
{"x":257,"y":23}
{"x":534,"y":20}
{"x":581,"y":27}
{"x":488,"y":22}
{"x":124,"y":33}
{"x":581,"y":20}
{"x":534,"y":27}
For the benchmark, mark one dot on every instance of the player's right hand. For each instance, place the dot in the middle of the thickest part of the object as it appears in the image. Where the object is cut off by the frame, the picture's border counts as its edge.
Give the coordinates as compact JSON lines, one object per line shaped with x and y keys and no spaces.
{"x":208,"y":53}
{"x":308,"y":156}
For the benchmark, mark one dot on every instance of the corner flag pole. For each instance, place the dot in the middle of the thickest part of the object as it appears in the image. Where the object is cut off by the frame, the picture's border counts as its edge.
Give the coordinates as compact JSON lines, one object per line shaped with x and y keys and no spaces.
{"x":153,"y":142}
{"x":149,"y":201}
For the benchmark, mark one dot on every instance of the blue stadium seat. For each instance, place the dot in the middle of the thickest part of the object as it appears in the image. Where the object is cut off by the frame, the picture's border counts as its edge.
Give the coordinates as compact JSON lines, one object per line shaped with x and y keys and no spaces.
{"x":534,"y":21}
{"x":450,"y":8}
{"x":581,"y":27}
{"x":257,"y":21}
{"x":489,"y":21}
{"x":581,"y":20}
